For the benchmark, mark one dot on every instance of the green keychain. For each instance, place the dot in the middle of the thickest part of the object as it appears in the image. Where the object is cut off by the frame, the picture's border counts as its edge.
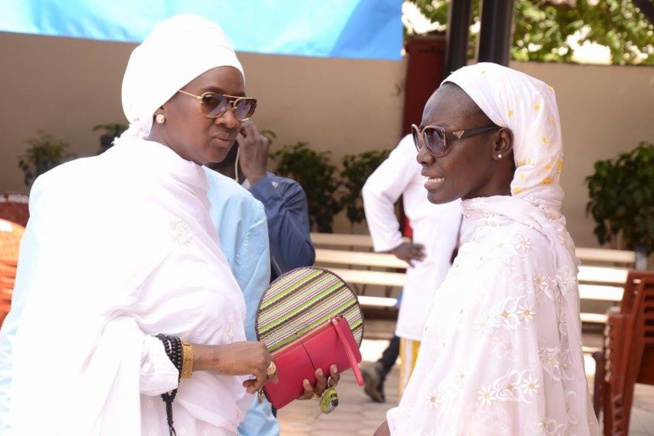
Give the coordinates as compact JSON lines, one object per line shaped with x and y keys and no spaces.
{"x":328,"y":402}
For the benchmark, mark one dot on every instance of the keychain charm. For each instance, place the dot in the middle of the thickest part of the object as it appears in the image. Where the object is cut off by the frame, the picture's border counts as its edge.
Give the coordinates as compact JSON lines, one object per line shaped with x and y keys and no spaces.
{"x":328,"y":402}
{"x":260,"y":396}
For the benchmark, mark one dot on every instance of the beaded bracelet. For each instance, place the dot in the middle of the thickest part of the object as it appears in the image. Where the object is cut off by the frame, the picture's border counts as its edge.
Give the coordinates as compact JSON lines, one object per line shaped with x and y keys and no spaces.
{"x":175,"y":352}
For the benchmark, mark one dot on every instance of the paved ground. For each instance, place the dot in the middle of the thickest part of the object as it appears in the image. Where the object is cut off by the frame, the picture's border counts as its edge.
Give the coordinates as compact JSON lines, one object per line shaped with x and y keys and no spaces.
{"x":358,"y":415}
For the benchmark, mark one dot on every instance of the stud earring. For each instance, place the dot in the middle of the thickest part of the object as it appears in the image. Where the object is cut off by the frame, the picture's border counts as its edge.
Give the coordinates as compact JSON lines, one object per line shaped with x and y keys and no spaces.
{"x":160,"y":118}
{"x":499,"y":156}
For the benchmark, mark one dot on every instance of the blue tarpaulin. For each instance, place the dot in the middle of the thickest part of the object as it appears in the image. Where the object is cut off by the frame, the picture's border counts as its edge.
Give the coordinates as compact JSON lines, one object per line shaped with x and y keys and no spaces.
{"x":367,"y":29}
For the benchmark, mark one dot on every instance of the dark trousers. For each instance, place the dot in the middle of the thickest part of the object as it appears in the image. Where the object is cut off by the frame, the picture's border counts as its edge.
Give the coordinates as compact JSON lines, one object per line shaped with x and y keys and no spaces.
{"x":390,"y":355}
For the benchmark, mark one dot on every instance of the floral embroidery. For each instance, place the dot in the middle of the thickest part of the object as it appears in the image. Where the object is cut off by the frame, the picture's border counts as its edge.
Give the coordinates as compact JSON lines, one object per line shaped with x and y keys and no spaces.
{"x":545,"y":285}
{"x":522,"y":244}
{"x":178,"y":231}
{"x":433,"y":400}
{"x":485,"y":396}
{"x":526,"y":313}
{"x":567,"y":281}
{"x":482,"y":324}
{"x":549,"y":426}
{"x":530,"y":385}
{"x":556,"y":364}
{"x":516,"y":386}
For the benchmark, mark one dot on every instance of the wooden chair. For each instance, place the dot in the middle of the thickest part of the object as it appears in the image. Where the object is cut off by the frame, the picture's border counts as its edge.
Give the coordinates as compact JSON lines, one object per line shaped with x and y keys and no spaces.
{"x":14,"y":207}
{"x":10,"y":237}
{"x":7,"y":277}
{"x":628,"y":354}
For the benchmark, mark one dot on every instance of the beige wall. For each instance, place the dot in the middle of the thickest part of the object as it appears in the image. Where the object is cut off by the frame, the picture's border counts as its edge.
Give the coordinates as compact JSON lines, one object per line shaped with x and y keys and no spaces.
{"x":66,"y":86}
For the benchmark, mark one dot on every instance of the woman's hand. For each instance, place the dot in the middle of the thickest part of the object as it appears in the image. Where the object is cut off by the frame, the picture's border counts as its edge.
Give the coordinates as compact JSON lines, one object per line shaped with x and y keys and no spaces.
{"x":237,"y":358}
{"x":322,"y":383}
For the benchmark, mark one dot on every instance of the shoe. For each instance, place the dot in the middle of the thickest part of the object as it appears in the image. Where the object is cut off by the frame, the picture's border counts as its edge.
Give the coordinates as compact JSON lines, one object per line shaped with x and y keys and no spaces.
{"x":374,"y":382}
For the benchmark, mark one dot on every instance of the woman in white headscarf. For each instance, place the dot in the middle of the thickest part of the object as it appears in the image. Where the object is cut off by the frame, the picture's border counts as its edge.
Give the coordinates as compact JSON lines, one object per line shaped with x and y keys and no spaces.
{"x":502,"y":351}
{"x":120,"y":248}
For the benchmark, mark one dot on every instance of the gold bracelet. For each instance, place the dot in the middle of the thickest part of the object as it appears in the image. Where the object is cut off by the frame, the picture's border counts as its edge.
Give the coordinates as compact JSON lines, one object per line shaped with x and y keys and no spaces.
{"x":187,"y":360}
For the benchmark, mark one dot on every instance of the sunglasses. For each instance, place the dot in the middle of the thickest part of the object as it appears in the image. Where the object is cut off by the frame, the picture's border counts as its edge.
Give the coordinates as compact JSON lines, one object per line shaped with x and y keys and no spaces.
{"x":437,"y":140}
{"x":214,"y":104}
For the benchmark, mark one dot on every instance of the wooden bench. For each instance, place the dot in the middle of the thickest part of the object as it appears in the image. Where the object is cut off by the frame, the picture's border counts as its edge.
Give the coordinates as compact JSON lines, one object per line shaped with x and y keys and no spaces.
{"x":602,"y":274}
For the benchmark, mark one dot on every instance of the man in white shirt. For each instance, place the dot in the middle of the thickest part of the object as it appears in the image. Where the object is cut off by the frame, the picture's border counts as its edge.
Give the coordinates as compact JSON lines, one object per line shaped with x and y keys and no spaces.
{"x":429,"y":254}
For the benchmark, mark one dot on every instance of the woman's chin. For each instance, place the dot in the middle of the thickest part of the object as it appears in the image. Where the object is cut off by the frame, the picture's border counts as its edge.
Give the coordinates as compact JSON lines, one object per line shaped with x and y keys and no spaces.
{"x":219,"y":154}
{"x":438,"y":197}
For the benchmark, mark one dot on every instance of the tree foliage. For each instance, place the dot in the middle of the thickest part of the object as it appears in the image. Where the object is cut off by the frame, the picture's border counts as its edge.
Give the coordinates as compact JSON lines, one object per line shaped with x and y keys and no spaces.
{"x":44,"y":153}
{"x":356,"y":170}
{"x":542,"y":29}
{"x":621,"y":193}
{"x":314,"y":171}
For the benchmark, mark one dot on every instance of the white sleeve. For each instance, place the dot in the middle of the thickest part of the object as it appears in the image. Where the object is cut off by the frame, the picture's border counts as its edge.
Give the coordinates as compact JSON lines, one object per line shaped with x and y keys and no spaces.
{"x":158,"y":374}
{"x":382,"y":190}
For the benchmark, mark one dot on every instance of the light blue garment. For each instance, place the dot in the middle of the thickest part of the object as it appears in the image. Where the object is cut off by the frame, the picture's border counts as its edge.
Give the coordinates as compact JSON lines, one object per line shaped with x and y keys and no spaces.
{"x":240,"y":221}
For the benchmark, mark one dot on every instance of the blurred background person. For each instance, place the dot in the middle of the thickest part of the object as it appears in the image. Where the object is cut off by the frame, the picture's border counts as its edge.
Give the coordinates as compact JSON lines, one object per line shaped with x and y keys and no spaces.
{"x":435,"y":229}
{"x":283,"y":199}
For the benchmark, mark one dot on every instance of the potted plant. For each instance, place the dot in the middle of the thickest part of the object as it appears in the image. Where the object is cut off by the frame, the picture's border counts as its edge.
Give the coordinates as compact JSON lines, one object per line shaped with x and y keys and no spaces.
{"x":110,"y":132}
{"x":45,"y":152}
{"x":316,"y":174}
{"x":621,"y":193}
{"x":356,"y":170}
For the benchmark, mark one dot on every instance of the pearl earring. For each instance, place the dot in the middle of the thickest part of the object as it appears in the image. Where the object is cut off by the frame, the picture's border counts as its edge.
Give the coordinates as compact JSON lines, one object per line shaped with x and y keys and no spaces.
{"x":160,"y":118}
{"x":499,"y":156}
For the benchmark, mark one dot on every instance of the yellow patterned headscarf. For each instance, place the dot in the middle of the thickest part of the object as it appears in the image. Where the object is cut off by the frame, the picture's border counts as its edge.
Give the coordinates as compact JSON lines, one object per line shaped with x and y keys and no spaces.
{"x":528,"y":107}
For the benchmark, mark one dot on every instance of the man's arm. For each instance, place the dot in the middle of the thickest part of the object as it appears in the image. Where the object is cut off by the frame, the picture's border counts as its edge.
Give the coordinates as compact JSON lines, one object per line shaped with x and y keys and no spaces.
{"x":286,"y":204}
{"x":383,"y":189}
{"x":288,"y":222}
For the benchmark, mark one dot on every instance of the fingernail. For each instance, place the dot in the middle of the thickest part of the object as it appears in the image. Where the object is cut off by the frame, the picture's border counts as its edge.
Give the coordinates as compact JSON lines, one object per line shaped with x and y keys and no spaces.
{"x":319,"y":371}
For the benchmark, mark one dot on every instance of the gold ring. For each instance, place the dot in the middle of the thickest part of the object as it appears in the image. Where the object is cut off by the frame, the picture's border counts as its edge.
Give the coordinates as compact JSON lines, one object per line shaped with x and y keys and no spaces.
{"x":272,"y":368}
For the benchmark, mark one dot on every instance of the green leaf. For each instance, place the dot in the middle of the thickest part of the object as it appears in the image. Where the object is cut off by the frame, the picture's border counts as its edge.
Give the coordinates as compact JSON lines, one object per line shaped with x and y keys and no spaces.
{"x":621,"y":197}
{"x":44,"y":153}
{"x":617,"y":24}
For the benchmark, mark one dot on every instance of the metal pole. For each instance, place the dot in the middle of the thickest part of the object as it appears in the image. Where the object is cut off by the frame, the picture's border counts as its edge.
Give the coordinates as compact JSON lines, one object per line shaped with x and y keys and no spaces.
{"x":458,"y":29}
{"x":646,"y":7}
{"x":495,"y":33}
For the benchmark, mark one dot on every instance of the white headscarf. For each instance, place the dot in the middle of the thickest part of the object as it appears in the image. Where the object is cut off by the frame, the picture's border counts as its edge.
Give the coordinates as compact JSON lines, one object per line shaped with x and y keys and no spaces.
{"x":528,"y":107}
{"x":177,"y":51}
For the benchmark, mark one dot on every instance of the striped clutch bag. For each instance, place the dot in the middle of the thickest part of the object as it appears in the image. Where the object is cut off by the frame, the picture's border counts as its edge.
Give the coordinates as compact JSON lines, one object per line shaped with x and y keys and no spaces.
{"x":308,"y":318}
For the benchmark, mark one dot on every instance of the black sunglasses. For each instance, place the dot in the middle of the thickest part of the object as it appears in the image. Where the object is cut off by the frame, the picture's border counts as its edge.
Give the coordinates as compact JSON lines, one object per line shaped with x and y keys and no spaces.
{"x":437,"y":140}
{"x":214,"y":104}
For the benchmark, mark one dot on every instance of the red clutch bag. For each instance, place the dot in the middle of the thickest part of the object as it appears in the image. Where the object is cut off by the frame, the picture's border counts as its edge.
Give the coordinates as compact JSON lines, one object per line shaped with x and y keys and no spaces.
{"x":332,"y":343}
{"x":308,"y":318}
